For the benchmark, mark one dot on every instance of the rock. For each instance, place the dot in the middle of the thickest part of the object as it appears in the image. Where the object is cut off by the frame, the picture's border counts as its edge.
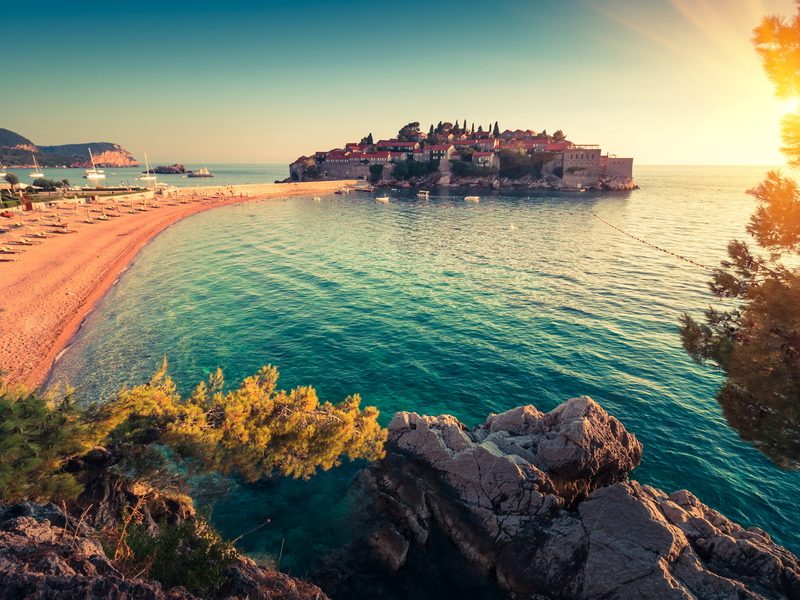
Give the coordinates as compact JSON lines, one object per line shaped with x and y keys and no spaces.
{"x":47,"y":554}
{"x":247,"y":580}
{"x":539,"y":504}
{"x":617,"y":184}
{"x":176,"y":169}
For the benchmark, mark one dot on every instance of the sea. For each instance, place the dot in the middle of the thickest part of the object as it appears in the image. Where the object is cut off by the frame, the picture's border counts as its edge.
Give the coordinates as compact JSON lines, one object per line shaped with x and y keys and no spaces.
{"x":224,"y":174}
{"x":446,"y":306}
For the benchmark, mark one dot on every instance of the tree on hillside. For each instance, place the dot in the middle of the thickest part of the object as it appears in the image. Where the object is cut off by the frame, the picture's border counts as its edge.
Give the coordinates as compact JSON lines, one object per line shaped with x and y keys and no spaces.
{"x":496,"y":130}
{"x":472,"y":131}
{"x":367,"y":140}
{"x":455,"y":127}
{"x":430,"y":131}
{"x":12,"y":180}
{"x":757,"y":342}
{"x":409,"y":132}
{"x":559,"y":136}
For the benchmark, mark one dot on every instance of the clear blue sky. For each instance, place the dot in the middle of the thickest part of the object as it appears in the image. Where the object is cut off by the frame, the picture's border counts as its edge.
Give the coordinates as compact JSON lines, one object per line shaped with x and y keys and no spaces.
{"x":670,"y":82}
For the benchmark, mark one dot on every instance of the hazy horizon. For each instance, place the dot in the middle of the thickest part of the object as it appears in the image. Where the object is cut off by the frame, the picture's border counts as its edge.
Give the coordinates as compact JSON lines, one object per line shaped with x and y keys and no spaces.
{"x":670,"y":83}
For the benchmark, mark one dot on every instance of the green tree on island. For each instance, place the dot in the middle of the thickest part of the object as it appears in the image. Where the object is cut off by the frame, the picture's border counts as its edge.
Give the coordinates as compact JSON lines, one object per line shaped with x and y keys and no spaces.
{"x":757,"y":343}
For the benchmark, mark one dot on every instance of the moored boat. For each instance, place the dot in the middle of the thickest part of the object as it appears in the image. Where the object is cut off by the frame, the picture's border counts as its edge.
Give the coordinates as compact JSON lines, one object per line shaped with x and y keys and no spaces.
{"x":37,"y":172}
{"x":148,"y":174}
{"x":423,"y":194}
{"x":382,"y":199}
{"x":201,"y":172}
{"x":472,"y":198}
{"x":93,"y":174}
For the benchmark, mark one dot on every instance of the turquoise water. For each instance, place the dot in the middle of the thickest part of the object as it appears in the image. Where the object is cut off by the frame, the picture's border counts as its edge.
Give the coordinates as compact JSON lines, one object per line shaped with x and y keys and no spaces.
{"x":224,"y":174}
{"x":453,"y":307}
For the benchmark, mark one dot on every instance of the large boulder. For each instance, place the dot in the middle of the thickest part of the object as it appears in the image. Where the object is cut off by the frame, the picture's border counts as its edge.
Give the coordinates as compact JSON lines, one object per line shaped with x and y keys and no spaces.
{"x":539,"y":504}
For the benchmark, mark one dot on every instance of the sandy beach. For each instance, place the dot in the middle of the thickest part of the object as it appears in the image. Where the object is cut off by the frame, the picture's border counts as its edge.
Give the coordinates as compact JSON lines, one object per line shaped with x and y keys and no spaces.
{"x":57,"y":263}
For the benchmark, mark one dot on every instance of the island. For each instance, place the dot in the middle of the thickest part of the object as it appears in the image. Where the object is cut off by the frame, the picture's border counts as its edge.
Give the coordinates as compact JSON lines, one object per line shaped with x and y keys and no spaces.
{"x":454,"y":155}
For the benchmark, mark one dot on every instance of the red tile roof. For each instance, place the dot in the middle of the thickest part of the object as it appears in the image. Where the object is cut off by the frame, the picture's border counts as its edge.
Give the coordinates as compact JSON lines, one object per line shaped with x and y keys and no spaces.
{"x":391,"y":143}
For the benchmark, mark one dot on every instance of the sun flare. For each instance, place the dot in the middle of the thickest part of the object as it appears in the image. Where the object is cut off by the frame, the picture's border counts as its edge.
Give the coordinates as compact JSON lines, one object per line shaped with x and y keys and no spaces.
{"x":789,"y":105}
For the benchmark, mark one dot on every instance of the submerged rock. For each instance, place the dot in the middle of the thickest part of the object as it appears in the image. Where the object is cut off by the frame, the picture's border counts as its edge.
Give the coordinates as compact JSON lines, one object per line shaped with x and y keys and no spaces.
{"x":539,"y":505}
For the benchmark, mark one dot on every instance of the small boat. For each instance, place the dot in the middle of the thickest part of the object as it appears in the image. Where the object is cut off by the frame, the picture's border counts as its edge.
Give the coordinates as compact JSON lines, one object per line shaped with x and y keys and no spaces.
{"x":423,"y":194}
{"x":472,"y":198}
{"x":317,"y":199}
{"x":201,"y":172}
{"x":94,"y":173}
{"x":36,"y":173}
{"x":382,"y":199}
{"x":148,"y":175}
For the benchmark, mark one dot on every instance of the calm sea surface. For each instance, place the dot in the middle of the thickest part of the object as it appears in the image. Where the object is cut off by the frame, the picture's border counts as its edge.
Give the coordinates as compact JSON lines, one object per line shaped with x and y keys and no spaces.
{"x":447,"y":306}
{"x":224,"y":174}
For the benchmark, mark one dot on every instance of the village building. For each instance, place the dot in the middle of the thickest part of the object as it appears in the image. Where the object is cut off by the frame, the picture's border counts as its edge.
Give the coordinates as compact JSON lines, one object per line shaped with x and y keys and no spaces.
{"x":613,"y":166}
{"x":396,"y":146}
{"x":440,"y":151}
{"x":486,"y":159}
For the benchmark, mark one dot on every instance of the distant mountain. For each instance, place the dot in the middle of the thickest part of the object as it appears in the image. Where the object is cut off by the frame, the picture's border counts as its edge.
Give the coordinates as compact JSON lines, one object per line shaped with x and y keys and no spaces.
{"x":16,"y":151}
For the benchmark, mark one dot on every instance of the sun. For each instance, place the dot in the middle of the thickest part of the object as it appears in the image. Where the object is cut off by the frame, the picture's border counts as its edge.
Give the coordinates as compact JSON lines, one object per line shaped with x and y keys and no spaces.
{"x":788,"y":105}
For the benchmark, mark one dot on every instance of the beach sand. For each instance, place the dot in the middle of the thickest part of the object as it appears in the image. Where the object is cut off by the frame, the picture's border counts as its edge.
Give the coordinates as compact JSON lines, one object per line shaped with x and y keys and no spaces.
{"x":49,"y":284}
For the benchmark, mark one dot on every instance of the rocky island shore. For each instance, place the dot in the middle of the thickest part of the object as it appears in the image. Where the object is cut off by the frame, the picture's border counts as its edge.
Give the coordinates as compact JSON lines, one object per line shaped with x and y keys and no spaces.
{"x":526,"y":183}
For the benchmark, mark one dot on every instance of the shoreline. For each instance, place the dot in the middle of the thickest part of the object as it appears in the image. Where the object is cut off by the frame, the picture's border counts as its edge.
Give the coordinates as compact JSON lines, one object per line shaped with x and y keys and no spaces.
{"x":48,"y":289}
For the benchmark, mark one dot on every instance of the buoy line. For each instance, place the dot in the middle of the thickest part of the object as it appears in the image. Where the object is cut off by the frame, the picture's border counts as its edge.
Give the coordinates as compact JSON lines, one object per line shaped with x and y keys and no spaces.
{"x":646,"y":243}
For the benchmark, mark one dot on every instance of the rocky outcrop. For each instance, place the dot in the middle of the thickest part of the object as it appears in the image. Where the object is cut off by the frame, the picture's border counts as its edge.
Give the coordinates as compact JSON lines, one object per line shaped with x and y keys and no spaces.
{"x":540,"y":505}
{"x":176,"y":169}
{"x":45,"y":553}
{"x":48,"y":553}
{"x":617,"y":184}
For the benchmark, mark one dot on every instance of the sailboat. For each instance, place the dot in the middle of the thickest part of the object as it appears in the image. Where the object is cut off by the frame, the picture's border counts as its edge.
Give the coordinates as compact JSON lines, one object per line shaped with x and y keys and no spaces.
{"x":36,"y":173}
{"x":147,"y":176}
{"x":93,"y":173}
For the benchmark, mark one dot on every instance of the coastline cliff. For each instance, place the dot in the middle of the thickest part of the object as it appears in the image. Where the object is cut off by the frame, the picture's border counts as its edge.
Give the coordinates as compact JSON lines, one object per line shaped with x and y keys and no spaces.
{"x":16,"y":151}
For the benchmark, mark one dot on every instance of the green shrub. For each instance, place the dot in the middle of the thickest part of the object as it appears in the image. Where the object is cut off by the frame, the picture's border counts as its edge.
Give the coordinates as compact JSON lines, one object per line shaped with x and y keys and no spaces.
{"x":38,"y":434}
{"x":406,"y":169}
{"x":190,"y":554}
{"x":467,"y":169}
{"x":375,"y":173}
{"x":515,"y":165}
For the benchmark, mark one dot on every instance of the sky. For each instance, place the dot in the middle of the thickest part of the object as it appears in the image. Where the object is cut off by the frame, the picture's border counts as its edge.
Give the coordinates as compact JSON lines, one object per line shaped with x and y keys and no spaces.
{"x":667,"y":82}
